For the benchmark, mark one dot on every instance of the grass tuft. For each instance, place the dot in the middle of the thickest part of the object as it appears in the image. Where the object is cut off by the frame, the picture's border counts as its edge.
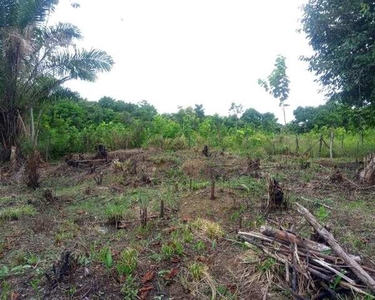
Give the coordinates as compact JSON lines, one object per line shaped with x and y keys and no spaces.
{"x":14,"y":213}
{"x":211,"y":229}
{"x":128,"y":262}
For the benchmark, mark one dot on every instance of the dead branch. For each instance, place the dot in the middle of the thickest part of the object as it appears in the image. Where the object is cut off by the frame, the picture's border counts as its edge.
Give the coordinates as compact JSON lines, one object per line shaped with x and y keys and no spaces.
{"x":357,"y":269}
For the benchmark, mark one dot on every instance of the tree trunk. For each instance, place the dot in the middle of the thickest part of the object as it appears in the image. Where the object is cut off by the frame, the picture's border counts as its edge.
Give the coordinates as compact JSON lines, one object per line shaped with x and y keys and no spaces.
{"x":9,"y":132}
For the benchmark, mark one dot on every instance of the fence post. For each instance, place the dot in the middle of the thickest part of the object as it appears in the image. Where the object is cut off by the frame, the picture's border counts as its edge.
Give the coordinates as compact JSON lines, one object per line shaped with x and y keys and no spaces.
{"x":320,"y":145}
{"x":331,"y":145}
{"x":297,"y":144}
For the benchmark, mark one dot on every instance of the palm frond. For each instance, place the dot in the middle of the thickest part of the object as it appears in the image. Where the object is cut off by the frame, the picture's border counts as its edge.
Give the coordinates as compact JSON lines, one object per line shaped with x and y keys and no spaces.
{"x":34,"y":11}
{"x":61,"y":34}
{"x":8,"y":13}
{"x":82,"y":64}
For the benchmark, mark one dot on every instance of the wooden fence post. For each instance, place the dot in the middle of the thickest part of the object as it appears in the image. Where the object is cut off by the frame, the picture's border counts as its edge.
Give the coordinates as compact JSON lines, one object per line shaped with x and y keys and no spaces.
{"x":331,"y":145}
{"x":320,"y":145}
{"x":297,"y":143}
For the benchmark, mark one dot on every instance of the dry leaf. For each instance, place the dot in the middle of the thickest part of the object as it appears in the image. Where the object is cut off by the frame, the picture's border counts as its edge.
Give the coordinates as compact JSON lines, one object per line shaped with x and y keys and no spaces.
{"x":144,"y":291}
{"x":172,"y":274}
{"x":150,"y":275}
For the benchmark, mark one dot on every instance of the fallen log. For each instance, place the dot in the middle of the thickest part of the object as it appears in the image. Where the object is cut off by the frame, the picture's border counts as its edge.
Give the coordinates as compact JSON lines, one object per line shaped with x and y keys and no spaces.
{"x":293,"y":239}
{"x":355,"y":267}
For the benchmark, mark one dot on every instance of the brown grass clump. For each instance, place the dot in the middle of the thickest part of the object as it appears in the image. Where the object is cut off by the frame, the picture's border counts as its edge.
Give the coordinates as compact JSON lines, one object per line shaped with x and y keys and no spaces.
{"x":210,"y":229}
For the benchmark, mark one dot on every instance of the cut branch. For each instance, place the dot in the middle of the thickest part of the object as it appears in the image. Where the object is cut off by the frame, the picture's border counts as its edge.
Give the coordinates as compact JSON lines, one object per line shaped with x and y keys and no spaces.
{"x":356,"y":268}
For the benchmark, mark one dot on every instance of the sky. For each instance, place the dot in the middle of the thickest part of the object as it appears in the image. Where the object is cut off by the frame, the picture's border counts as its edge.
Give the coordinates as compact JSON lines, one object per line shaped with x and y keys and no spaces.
{"x":183,"y":52}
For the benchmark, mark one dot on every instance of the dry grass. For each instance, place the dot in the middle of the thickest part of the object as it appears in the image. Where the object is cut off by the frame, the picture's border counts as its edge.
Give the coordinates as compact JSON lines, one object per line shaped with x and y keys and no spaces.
{"x":210,"y":229}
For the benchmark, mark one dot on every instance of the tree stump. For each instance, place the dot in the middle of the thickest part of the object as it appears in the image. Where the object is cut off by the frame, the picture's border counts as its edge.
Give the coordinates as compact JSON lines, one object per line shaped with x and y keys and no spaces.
{"x":275,"y":194}
{"x":13,"y":159}
{"x":205,"y":151}
{"x":102,"y":152}
{"x":367,"y":175}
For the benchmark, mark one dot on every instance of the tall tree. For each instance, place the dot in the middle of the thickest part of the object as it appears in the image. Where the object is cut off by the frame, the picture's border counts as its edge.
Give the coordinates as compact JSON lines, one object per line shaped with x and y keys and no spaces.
{"x":235,"y":111}
{"x":341,"y":34}
{"x":199,"y":111}
{"x":36,"y":59}
{"x":277,"y":83}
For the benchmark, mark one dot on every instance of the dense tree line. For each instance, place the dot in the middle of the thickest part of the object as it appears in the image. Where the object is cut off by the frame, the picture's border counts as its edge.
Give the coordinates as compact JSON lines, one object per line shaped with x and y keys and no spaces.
{"x":72,"y":124}
{"x":76,"y":125}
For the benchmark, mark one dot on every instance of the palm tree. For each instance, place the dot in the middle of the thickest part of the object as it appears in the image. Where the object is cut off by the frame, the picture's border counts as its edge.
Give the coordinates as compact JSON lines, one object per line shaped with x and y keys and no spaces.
{"x":36,"y":59}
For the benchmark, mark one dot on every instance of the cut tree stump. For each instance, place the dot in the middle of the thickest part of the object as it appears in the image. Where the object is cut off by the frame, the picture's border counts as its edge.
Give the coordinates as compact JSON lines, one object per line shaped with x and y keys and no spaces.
{"x":205,"y":151}
{"x":367,"y":175}
{"x":102,"y":152}
{"x":275,"y":194}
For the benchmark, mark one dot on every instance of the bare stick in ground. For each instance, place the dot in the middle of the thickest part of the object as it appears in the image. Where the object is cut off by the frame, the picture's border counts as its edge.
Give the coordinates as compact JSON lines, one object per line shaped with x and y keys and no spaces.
{"x":212,"y":176}
{"x":161,"y":209}
{"x":143,"y":216}
{"x":356,"y":268}
{"x":212,"y":189}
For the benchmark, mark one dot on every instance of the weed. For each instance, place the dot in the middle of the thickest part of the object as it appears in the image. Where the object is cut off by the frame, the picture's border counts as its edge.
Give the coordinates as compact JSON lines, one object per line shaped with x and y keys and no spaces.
{"x":4,"y":271}
{"x":197,"y":270}
{"x":322,"y":214}
{"x":179,"y":249}
{"x":156,"y":257}
{"x":211,"y":229}
{"x":128,"y":262}
{"x":5,"y":291}
{"x":144,"y":230}
{"x":167,"y":251}
{"x":14,"y":213}
{"x":105,"y":257}
{"x":35,"y":282}
{"x":130,"y":288}
{"x":267,"y":265}
{"x":213,"y":244}
{"x":184,"y":233}
{"x":62,"y":237}
{"x":225,"y":293}
{"x":354,"y":241}
{"x":72,"y":291}
{"x":173,"y":248}
{"x":115,"y":212}
{"x":307,"y":176}
{"x":200,"y":246}
{"x":67,"y":231}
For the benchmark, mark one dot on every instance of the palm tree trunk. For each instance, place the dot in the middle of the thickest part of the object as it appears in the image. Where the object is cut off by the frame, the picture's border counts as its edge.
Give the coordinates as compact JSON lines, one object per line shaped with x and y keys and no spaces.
{"x":9,"y":131}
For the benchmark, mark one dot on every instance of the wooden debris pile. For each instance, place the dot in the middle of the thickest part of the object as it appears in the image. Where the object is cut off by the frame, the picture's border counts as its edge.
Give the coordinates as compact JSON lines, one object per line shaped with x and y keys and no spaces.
{"x":313,"y":270}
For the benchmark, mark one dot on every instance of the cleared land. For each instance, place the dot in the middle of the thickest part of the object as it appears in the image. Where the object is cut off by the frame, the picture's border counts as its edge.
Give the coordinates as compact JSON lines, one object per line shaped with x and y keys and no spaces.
{"x":75,"y":239}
